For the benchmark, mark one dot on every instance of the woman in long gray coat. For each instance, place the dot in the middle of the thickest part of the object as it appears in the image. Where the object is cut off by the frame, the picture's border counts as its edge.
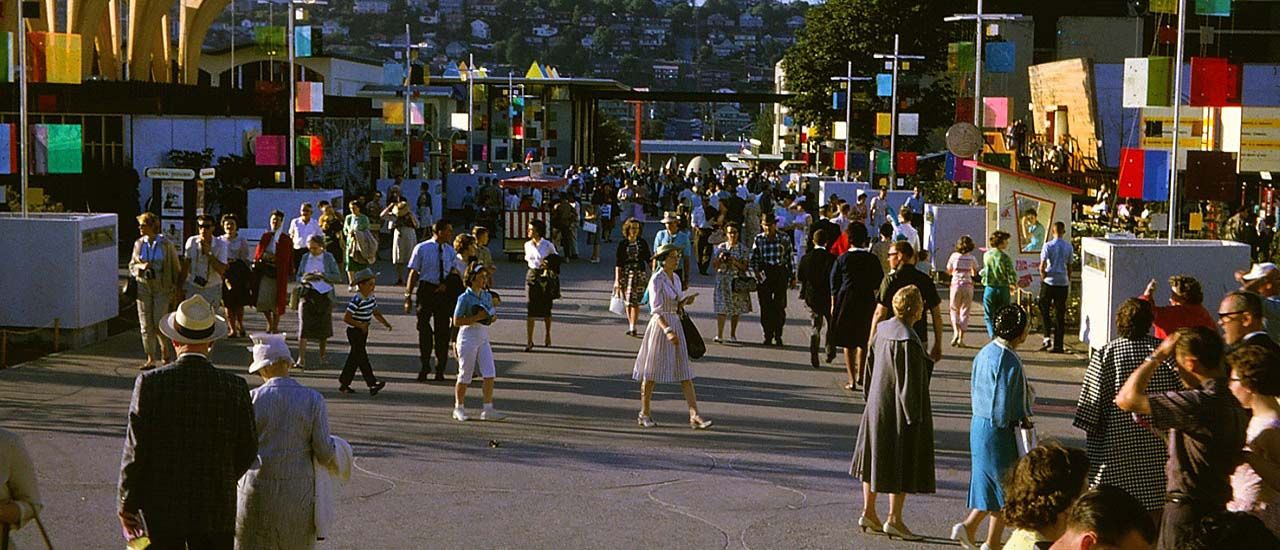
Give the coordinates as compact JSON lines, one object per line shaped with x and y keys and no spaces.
{"x":277,"y":496}
{"x":894,"y":451}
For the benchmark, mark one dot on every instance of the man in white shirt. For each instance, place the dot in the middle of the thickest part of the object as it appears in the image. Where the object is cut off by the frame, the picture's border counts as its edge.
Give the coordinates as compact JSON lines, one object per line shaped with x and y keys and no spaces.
{"x":878,"y":212}
{"x":204,"y":262}
{"x":430,"y":266}
{"x":302,"y":228}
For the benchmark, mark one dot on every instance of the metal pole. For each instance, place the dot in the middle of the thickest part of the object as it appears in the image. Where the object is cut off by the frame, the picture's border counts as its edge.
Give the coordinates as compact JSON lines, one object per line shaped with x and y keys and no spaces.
{"x":408,"y":105}
{"x":22,"y":105}
{"x":233,"y":46}
{"x":293,"y":138}
{"x":848,"y":102}
{"x":471,"y":105}
{"x":1177,"y":119}
{"x":893,"y":119}
{"x":977,"y":94}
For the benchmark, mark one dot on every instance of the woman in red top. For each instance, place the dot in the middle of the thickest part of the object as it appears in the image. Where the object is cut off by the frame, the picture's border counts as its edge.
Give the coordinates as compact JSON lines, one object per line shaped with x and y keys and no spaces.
{"x":1185,"y":309}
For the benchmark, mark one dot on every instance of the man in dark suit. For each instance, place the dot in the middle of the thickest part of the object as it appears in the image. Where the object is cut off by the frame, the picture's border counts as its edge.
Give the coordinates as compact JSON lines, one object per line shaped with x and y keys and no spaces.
{"x":1240,"y":316}
{"x":191,"y":435}
{"x":815,"y":289}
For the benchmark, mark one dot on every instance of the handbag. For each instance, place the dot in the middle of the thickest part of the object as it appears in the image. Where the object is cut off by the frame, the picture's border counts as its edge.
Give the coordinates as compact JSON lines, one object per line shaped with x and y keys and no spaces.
{"x":589,"y":227}
{"x":617,"y":305}
{"x":742,"y":283}
{"x":692,"y":338}
{"x":1027,"y":439}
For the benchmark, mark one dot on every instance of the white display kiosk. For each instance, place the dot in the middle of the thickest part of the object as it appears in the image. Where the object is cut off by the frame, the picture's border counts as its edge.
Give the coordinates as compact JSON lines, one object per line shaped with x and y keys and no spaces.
{"x":1115,"y":269}
{"x":1026,"y":207}
{"x":62,"y":267}
{"x":944,"y":224}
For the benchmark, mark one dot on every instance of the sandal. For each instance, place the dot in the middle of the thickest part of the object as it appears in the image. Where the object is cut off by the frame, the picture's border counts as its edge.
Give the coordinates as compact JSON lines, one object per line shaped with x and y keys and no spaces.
{"x":850,"y":387}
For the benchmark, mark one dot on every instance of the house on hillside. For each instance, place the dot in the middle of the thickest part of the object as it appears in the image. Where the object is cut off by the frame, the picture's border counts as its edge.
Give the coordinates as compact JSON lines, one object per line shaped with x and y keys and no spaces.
{"x":371,"y":7}
{"x":665,"y":75}
{"x":587,"y":42}
{"x":587,"y":20}
{"x":724,"y":48}
{"x":455,"y":50}
{"x":545,"y":31}
{"x":744,"y":40}
{"x":750,"y":22}
{"x":450,"y":6}
{"x":479,"y":29}
{"x":795,"y":22}
{"x":487,"y":8}
{"x":719,"y":21}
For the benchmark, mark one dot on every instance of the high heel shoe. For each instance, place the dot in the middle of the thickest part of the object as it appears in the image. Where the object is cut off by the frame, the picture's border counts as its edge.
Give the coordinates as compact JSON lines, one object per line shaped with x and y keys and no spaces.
{"x":528,"y":347}
{"x":900,"y":531}
{"x":960,"y":534}
{"x":645,"y":421}
{"x":868,"y":525}
{"x":698,"y":423}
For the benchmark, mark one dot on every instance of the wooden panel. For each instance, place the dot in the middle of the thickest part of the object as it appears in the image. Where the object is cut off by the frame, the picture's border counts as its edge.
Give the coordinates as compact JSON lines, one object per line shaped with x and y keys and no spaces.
{"x":1066,"y":83}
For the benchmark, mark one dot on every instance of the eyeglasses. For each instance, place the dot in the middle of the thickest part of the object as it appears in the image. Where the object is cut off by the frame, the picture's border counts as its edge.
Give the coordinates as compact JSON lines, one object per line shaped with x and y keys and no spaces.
{"x":893,"y":254}
{"x":1224,"y":315}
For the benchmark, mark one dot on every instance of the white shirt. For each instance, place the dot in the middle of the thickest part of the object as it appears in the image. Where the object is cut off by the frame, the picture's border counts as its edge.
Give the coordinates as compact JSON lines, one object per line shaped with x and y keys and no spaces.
{"x":314,"y":264}
{"x":300,"y":231}
{"x":908,"y":231}
{"x":200,"y":262}
{"x":237,"y":249}
{"x":700,"y":218}
{"x":427,"y":259}
{"x":536,"y":254}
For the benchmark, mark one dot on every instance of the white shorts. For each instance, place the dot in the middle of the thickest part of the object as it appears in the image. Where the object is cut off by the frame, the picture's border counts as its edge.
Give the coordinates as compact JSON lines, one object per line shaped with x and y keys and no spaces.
{"x":474,"y":351}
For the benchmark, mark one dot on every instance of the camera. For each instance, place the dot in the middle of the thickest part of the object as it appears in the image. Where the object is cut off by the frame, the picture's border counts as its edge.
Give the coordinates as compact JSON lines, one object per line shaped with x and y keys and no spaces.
{"x":149,"y":274}
{"x":200,"y":281}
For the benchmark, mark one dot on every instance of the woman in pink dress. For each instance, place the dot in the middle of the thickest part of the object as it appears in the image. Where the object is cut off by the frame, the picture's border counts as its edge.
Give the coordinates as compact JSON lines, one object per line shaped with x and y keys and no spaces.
{"x":1255,"y":485}
{"x":962,"y":266}
{"x":663,"y":355}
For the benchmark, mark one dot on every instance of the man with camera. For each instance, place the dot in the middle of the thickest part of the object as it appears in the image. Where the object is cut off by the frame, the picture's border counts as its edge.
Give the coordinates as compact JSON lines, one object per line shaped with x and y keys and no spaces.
{"x":204,"y":260}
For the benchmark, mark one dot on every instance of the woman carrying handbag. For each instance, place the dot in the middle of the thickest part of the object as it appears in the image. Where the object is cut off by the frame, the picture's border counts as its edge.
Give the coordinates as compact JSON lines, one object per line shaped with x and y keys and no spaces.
{"x":19,"y":495}
{"x":663,"y":355}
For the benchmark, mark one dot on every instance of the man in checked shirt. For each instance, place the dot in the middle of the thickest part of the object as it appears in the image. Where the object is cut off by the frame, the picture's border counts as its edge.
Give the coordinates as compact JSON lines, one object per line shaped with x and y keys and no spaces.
{"x":771,"y":259}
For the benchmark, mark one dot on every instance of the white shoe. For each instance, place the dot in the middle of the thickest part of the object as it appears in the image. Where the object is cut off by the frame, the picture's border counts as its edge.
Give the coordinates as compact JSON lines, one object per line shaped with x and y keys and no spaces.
{"x":645,"y":421}
{"x":492,"y":415}
{"x":460,"y":414}
{"x":961,"y":535}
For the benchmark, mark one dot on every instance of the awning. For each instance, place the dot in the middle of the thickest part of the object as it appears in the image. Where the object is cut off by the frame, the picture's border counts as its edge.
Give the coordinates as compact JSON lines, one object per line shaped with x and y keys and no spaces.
{"x":532,"y":182}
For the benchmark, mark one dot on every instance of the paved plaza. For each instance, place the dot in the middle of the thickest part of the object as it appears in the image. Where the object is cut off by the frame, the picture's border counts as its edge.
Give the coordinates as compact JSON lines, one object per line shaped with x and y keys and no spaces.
{"x":570,"y":468}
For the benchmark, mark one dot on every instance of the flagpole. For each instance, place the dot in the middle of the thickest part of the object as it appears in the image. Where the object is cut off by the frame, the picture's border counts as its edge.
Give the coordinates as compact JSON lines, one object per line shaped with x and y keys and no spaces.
{"x":1177,"y":120}
{"x":408,"y":105}
{"x":22,"y":105}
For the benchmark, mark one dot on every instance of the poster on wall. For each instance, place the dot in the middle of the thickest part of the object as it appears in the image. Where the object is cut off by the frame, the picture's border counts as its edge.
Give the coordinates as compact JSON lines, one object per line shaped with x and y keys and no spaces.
{"x":199,"y":197}
{"x":173,"y":231}
{"x":171,"y":203}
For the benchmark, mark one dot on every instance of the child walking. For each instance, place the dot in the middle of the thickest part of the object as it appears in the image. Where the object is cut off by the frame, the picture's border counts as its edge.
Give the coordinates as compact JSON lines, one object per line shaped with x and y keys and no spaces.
{"x":361,"y":311}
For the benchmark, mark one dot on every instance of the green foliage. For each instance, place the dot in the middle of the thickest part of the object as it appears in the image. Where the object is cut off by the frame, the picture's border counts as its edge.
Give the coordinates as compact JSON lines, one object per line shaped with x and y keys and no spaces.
{"x":194,"y":160}
{"x":763,"y":130}
{"x":854,"y":30}
{"x":612,"y":143}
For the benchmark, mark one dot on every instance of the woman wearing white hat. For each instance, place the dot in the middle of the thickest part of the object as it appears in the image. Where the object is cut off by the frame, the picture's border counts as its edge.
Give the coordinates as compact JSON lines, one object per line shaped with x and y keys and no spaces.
{"x":275,"y":498}
{"x":405,"y":235}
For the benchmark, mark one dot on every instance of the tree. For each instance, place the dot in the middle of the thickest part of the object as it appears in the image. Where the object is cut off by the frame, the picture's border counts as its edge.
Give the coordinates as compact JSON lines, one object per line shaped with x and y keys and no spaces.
{"x":842,"y":30}
{"x":611,"y":141}
{"x":763,"y":130}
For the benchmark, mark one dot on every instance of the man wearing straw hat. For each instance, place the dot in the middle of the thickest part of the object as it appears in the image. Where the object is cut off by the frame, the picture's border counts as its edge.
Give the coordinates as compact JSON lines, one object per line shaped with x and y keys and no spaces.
{"x":191,"y":435}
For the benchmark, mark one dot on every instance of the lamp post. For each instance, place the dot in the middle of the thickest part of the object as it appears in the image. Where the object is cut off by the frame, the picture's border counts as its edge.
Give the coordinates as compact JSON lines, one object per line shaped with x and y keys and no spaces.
{"x":980,"y":19}
{"x":848,"y":79}
{"x":896,"y":58}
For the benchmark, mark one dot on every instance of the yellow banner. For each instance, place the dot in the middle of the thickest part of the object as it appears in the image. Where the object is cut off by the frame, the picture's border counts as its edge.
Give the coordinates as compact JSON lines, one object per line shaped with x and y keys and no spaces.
{"x":884,"y":124}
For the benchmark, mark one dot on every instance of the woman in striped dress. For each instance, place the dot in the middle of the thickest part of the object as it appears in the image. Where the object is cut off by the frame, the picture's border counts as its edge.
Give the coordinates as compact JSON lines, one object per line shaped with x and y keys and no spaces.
{"x":663,"y":356}
{"x":1122,"y":452}
{"x":961,"y":266}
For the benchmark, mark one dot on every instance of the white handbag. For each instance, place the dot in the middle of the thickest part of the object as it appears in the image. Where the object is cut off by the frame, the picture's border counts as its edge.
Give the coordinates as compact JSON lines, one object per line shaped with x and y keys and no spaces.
{"x":1027,"y":439}
{"x":589,"y":227}
{"x":617,"y":305}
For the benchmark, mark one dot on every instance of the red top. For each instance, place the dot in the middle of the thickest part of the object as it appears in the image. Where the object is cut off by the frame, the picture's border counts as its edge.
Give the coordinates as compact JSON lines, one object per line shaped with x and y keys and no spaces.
{"x":841,"y":245}
{"x":1173,"y":317}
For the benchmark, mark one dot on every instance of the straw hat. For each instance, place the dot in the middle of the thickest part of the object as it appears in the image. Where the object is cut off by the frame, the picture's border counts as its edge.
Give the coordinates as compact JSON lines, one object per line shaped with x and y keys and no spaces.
{"x":268,"y":349}
{"x":667,"y":248}
{"x":669,"y":217}
{"x":401,"y":209}
{"x":193,"y":323}
{"x":1259,"y":271}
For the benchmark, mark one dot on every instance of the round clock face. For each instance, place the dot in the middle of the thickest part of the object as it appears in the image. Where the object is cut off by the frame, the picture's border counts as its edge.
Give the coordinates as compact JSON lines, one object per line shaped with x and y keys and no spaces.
{"x":964,"y":139}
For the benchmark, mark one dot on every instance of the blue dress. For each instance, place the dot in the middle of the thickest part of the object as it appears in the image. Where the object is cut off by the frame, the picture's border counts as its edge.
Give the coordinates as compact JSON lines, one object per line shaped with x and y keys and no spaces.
{"x":1000,"y":402}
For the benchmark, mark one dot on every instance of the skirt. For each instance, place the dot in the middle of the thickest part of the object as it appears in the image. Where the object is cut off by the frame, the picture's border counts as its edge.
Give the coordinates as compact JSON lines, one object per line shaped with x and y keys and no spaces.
{"x":728,"y":302}
{"x":993,"y":450}
{"x":852,"y":323}
{"x":266,"y":295}
{"x":659,"y":360}
{"x":235,"y":291}
{"x":402,"y":247}
{"x":315,"y":316}
{"x":634,"y":281}
{"x":540,"y":296}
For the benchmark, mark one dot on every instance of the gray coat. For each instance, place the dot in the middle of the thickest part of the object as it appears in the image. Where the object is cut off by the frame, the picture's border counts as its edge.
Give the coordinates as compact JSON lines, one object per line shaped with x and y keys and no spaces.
{"x":894,"y":450}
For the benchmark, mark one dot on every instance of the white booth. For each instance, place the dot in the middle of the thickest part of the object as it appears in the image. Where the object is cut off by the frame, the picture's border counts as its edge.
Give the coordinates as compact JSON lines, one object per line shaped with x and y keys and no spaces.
{"x":1115,"y":269}
{"x":944,"y":224}
{"x":263,"y":200}
{"x":1026,"y":207}
{"x":62,"y":267}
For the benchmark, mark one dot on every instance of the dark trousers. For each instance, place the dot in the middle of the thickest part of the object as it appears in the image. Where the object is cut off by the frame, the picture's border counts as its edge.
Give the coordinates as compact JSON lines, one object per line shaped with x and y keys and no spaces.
{"x":192,"y":541}
{"x":818,"y":320}
{"x":1054,"y":297}
{"x":772,"y":294}
{"x":434,"y":312}
{"x":1175,"y":519}
{"x":357,"y":359}
{"x":917,"y":221}
{"x":702,"y":249}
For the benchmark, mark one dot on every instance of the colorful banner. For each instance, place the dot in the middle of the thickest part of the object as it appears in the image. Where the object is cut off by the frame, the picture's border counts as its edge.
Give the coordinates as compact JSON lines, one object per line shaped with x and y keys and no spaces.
{"x":999,"y":57}
{"x":1217,"y":8}
{"x":36,"y":56}
{"x":40,"y":149}
{"x":1146,"y":82}
{"x":1164,"y":6}
{"x":884,"y":124}
{"x":838,"y":100}
{"x":309,"y":97}
{"x":884,"y":84}
{"x":1214,"y":82}
{"x":908,"y":124}
{"x":1144,"y":175}
{"x":62,"y":62}
{"x":956,"y":170}
{"x":302,"y":41}
{"x":271,"y":150}
{"x":10,"y":51}
{"x":65,"y":148}
{"x":8,"y":149}
{"x":393,"y":113}
{"x":269,"y":39}
{"x":1211,"y":176}
{"x":907,"y":163}
{"x":961,"y":56}
{"x":995,"y":112}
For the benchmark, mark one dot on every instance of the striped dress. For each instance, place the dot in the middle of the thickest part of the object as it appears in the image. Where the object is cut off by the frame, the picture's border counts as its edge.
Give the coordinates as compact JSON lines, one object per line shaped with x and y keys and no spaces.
{"x":658,"y":359}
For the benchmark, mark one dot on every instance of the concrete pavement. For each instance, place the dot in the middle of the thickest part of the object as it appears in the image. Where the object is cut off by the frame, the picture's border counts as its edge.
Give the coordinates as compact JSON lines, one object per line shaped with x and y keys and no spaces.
{"x":570,"y":468}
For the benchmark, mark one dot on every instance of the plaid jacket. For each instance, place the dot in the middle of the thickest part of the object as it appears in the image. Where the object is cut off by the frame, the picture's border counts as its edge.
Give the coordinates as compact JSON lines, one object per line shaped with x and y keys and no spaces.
{"x":191,"y":435}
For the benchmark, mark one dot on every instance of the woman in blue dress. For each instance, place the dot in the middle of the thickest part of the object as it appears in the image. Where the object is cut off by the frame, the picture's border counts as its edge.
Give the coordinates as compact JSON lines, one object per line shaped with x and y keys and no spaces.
{"x":1001,"y":404}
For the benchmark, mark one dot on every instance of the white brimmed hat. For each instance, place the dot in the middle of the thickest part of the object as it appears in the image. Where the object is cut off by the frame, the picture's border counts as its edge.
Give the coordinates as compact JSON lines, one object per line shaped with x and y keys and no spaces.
{"x":1260,"y":271}
{"x":193,"y":323}
{"x":268,"y":349}
{"x":670,"y":217}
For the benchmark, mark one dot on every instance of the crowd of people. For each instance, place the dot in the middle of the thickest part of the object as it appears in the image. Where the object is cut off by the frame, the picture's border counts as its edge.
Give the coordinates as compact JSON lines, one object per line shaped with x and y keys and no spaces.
{"x":1179,"y":413}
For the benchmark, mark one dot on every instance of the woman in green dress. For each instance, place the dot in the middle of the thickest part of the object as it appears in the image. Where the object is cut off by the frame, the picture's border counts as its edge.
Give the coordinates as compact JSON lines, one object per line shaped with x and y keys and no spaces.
{"x":998,"y":279}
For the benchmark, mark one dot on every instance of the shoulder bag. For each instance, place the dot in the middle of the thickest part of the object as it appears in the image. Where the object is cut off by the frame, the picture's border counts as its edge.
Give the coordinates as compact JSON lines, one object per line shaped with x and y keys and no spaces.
{"x":692,"y":338}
